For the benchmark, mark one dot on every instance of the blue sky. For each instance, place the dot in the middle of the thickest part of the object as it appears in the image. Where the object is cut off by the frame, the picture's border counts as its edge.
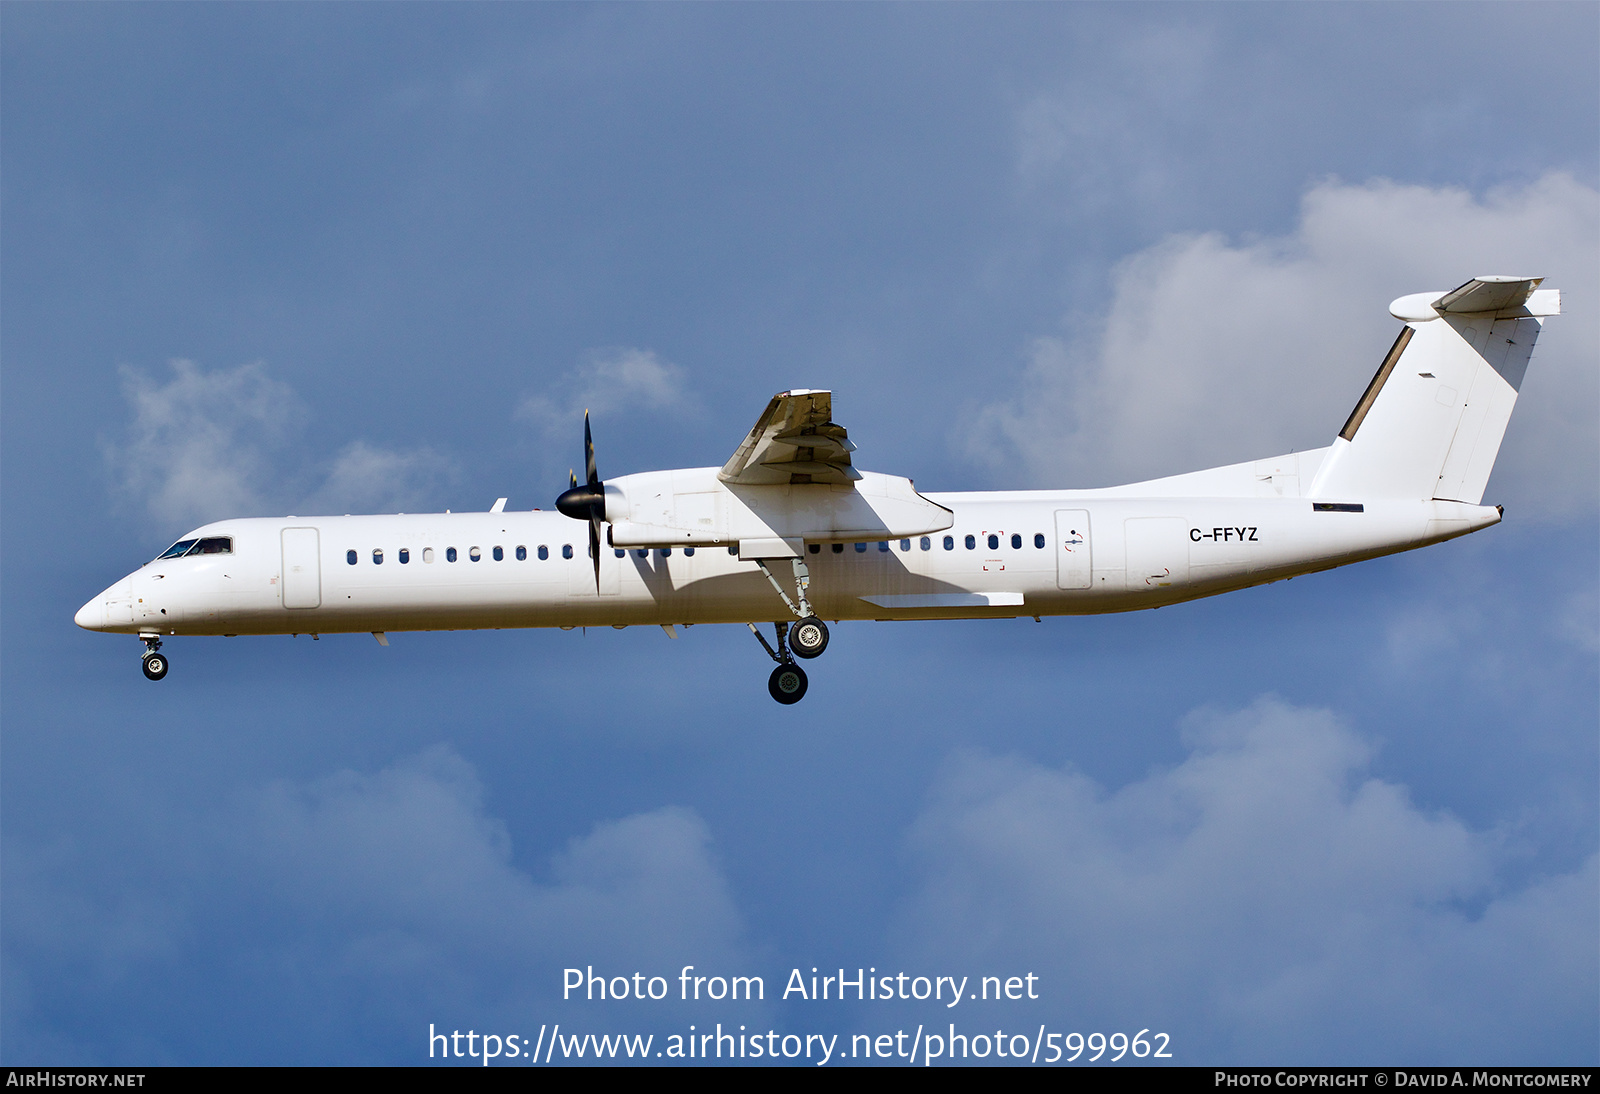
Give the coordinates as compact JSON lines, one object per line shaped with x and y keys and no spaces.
{"x":266,"y":258}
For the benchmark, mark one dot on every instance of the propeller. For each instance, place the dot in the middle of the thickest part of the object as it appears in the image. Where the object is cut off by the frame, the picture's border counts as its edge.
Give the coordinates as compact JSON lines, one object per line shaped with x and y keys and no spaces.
{"x":587,"y":502}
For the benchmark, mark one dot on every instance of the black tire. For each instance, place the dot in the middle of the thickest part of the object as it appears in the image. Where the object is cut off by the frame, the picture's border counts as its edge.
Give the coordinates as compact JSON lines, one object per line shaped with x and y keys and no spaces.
{"x":809,"y":637}
{"x":155,"y":666}
{"x":787,"y":684}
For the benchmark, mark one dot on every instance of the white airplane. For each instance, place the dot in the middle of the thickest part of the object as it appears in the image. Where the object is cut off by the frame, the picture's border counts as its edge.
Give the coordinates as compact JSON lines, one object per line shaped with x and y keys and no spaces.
{"x":788,"y":531}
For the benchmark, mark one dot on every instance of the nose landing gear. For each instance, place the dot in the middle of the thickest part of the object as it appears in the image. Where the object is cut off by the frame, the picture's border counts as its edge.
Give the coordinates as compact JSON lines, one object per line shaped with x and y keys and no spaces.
{"x":155,"y":665}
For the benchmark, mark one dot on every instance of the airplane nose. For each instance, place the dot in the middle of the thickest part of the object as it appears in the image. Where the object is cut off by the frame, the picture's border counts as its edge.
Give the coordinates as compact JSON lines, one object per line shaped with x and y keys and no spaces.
{"x":102,"y":613}
{"x":92,"y":616}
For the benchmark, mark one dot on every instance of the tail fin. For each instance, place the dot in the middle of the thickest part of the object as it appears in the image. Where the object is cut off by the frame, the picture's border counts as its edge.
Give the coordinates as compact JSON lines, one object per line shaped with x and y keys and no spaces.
{"x":1431,"y":421}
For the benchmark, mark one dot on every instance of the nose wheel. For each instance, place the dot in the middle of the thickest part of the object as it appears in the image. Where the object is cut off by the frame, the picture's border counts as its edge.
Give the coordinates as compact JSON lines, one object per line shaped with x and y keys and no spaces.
{"x":155,"y":662}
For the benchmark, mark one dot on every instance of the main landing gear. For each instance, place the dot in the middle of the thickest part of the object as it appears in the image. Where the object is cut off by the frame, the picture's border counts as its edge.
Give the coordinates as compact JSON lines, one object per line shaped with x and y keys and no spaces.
{"x":155,"y":664}
{"x":809,"y":637}
{"x":806,"y":638}
{"x":787,"y":684}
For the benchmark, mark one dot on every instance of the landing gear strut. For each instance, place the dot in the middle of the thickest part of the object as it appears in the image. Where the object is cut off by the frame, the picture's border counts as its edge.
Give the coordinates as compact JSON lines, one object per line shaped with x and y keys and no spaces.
{"x":787,"y":684}
{"x":810,"y":636}
{"x":155,"y":665}
{"x":807,"y":639}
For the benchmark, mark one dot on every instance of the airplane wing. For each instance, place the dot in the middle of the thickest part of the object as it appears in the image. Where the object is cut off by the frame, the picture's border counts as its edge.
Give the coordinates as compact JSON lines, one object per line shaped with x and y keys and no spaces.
{"x":794,"y":441}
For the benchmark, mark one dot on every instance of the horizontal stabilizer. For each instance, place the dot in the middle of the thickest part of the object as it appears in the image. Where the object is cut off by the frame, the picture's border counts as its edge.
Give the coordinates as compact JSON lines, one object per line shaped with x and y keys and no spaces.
{"x":1498,"y":296}
{"x":1490,"y":294}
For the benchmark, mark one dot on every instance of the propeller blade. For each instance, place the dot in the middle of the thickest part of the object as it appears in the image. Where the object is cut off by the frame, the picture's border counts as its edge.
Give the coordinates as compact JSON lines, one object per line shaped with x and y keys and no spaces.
{"x":588,"y":454}
{"x":588,"y":501}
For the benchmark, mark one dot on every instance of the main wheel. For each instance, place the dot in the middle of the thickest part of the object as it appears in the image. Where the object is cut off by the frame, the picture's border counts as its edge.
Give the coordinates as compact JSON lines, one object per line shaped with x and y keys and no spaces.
{"x":155,"y":666}
{"x":787,"y":684}
{"x":809,"y":637}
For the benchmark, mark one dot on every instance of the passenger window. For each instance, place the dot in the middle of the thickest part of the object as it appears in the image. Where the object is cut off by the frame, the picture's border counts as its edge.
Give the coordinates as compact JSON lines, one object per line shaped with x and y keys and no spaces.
{"x":949,"y":543}
{"x":994,"y":543}
{"x":665,"y":552}
{"x":474,"y":554}
{"x":449,"y":554}
{"x":688,"y":552}
{"x":620,"y":553}
{"x":377,"y":556}
{"x":544,"y":552}
{"x":733,"y":548}
{"x":883,"y":545}
{"x":1038,"y":541}
{"x":838,"y":548}
{"x":522,"y":553}
{"x":927,"y":544}
{"x":814,"y":548}
{"x":177,"y":550}
{"x":499,"y":554}
{"x":1016,"y":542}
{"x":641,"y":552}
{"x":427,"y":554}
{"x":971,"y":542}
{"x":905,"y":545}
{"x":349,"y":556}
{"x":566,"y":550}
{"x":861,"y":548}
{"x":405,"y":555}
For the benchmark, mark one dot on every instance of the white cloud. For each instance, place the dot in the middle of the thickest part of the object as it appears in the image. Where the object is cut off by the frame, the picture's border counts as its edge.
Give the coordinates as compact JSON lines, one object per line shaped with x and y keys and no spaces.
{"x":367,"y":479}
{"x":612,"y":381}
{"x":1207,"y":351}
{"x":616,"y":385}
{"x":197,"y":448}
{"x":1579,"y":617}
{"x":211,"y":445}
{"x":411,"y":853}
{"x":1427,"y":630}
{"x":1097,"y":147}
{"x":1265,"y":899}
{"x":331,"y":919}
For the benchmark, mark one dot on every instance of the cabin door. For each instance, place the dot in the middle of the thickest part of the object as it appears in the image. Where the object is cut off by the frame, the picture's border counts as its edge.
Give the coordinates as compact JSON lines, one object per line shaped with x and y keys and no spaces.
{"x":1072,"y":549}
{"x":302,"y":568}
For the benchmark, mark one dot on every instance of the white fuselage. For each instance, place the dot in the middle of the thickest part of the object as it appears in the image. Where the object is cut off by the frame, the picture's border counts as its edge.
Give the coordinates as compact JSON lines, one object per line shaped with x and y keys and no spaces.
{"x":1102,"y":551}
{"x":720,"y":545}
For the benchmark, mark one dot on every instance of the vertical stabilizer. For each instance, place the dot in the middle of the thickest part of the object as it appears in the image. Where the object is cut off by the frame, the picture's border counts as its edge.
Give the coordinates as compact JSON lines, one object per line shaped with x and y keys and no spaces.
{"x":1430,"y":423}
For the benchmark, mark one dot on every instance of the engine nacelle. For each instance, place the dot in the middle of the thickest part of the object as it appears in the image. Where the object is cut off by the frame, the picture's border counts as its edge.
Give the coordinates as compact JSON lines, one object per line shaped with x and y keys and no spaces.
{"x":691,"y":507}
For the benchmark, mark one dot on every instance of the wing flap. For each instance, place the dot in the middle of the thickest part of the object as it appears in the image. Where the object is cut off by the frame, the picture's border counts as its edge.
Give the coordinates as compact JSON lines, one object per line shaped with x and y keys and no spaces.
{"x":794,"y":441}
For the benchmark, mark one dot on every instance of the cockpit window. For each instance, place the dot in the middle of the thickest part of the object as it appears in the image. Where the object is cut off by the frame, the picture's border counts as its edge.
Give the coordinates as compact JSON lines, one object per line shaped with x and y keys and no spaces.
{"x":211,"y":545}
